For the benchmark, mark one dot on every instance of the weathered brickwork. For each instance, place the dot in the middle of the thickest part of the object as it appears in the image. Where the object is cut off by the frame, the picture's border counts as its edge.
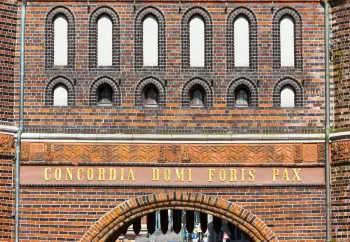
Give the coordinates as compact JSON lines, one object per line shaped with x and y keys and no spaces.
{"x":6,"y":187}
{"x":340,"y":60}
{"x":174,"y":115}
{"x":66,"y":214}
{"x":340,"y":190}
{"x":8,"y":14}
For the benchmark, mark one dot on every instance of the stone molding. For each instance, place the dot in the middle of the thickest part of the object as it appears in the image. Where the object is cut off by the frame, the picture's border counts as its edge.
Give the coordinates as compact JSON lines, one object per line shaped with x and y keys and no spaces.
{"x":7,"y":144}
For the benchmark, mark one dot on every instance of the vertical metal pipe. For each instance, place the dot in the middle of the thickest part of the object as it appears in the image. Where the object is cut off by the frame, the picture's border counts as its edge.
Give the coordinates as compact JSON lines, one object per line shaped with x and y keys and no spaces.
{"x":327,"y":124}
{"x":20,"y":129}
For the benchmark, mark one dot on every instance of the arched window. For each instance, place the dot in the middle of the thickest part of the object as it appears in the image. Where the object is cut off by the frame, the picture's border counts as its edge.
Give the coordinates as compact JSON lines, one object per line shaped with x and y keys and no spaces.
{"x":104,"y":41}
{"x":287,"y":97}
{"x":287,"y":41}
{"x":197,"y":42}
{"x":151,"y":96}
{"x":150,"y":41}
{"x":241,"y":42}
{"x":60,"y":40}
{"x":105,"y":95}
{"x":241,"y":98}
{"x":60,"y":95}
{"x":196,"y":97}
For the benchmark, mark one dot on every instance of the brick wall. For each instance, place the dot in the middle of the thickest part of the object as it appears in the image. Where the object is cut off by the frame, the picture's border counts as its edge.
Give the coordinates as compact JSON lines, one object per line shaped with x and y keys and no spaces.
{"x":65,"y":214}
{"x":340,"y":60}
{"x":340,"y":188}
{"x":173,"y":117}
{"x":6,"y":187}
{"x":8,"y":11}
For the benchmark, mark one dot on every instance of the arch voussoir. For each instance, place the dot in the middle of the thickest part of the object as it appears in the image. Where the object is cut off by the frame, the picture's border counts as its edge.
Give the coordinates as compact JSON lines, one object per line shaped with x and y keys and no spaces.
{"x":125,"y":213}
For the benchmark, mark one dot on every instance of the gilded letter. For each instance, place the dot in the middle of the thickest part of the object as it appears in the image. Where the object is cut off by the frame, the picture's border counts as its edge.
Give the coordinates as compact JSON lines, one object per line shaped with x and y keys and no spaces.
{"x":296,"y":174}
{"x":222,"y":175}
{"x":58,"y":174}
{"x":179,"y":175}
{"x":122,"y":174}
{"x":189,"y":175}
{"x":79,"y":175}
{"x":275,"y":172}
{"x":46,"y":175}
{"x":285,"y":175}
{"x":243,"y":172}
{"x":131,"y":175}
{"x":101,"y":174}
{"x":112,"y":174}
{"x":155,"y":174}
{"x":233,"y":175}
{"x":211,"y":174}
{"x":69,"y":173}
{"x":167,"y":175}
{"x":90,"y":174}
{"x":251,"y":175}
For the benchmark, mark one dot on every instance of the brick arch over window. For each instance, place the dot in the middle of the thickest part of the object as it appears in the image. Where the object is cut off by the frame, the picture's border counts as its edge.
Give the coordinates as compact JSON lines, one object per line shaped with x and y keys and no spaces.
{"x":50,"y":87}
{"x":298,"y":58}
{"x":288,"y":81}
{"x":95,"y":87}
{"x":208,"y":92}
{"x":185,"y":37}
{"x":94,"y":17}
{"x":49,"y":37}
{"x":159,"y":16}
{"x":112,"y":222}
{"x":145,"y":83}
{"x":253,"y":35}
{"x":247,"y":85}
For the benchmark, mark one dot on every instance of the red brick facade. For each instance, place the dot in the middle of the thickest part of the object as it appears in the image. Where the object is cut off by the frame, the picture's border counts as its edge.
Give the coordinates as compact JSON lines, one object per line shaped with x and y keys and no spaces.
{"x":173,"y":133}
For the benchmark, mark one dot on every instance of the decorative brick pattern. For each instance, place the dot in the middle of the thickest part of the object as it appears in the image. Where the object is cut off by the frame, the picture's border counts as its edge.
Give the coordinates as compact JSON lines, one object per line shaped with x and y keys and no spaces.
{"x":298,"y":91}
{"x":248,"y":86}
{"x":114,"y":17}
{"x":52,"y":84}
{"x":146,"y":83}
{"x":159,"y":16}
{"x":172,"y":153}
{"x":49,"y":41}
{"x":253,"y":35}
{"x":97,"y":84}
{"x":298,"y":41}
{"x":185,"y":38}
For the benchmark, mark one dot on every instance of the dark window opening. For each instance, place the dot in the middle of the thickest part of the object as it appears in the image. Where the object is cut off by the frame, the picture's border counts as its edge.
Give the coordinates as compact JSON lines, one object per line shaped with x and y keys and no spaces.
{"x":151,"y":97}
{"x":197,"y":97}
{"x":242,"y":98}
{"x":105,"y":95}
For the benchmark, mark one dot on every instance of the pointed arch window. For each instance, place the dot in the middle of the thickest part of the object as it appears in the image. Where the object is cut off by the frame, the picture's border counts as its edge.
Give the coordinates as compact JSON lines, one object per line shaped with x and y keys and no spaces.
{"x":105,"y":95}
{"x":151,"y":96}
{"x":104,"y":41}
{"x":287,"y":96}
{"x":197,"y":42}
{"x":287,"y":41}
{"x":60,"y":40}
{"x":241,"y":42}
{"x":197,"y":97}
{"x":60,"y":95}
{"x":150,"y":41}
{"x":242,"y":98}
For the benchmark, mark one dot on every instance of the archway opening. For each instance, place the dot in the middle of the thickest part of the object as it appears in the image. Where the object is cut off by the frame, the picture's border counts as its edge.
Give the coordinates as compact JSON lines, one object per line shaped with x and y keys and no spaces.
{"x":109,"y":226}
{"x":179,"y":225}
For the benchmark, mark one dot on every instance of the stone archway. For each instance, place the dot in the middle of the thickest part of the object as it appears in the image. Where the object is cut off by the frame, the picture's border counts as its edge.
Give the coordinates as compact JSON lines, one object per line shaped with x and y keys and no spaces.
{"x":136,"y":207}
